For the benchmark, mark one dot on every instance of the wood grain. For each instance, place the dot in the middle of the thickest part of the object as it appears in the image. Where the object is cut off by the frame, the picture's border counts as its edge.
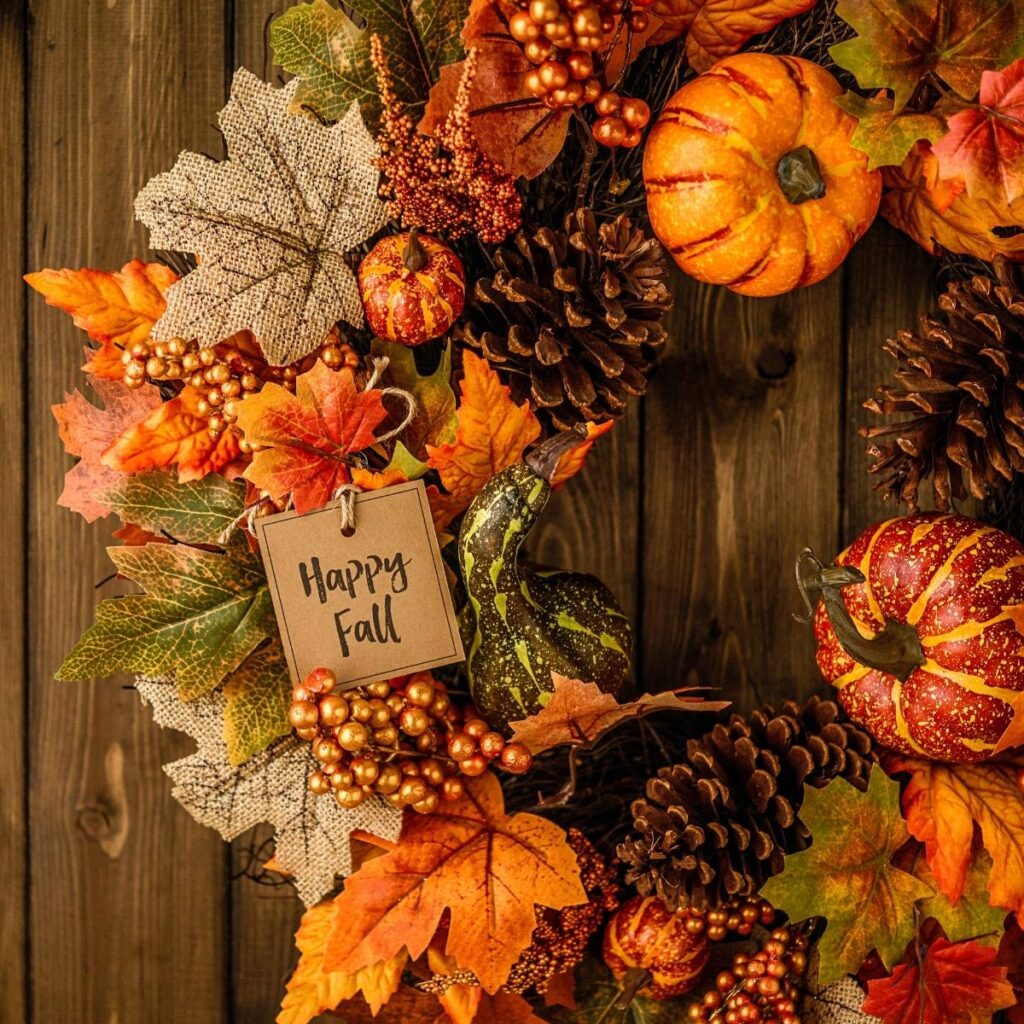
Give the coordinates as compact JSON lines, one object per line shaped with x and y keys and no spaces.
{"x":741,"y":464}
{"x":13,"y":691}
{"x":127,"y":892}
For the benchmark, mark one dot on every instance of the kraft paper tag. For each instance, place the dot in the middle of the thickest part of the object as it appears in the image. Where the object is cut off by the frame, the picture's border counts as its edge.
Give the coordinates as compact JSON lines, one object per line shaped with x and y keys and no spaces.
{"x":370,"y":606}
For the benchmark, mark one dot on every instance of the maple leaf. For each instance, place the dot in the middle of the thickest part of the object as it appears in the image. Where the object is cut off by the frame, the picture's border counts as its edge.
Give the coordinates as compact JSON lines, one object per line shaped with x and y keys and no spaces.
{"x":271,"y":225}
{"x":87,"y":431}
{"x":572,"y":461}
{"x":899,"y":42}
{"x":311,"y":990}
{"x":257,"y":695}
{"x":973,"y":916}
{"x":938,"y":213}
{"x":943,"y":803}
{"x":116,"y":308}
{"x":202,"y":614}
{"x":885,"y":135}
{"x":174,"y":433}
{"x":492,"y":433}
{"x":486,"y":868}
{"x":330,"y":54}
{"x":579,"y":713}
{"x":717,"y":28}
{"x":847,"y":875}
{"x":941,"y":983}
{"x":985,"y":143}
{"x":308,"y":436}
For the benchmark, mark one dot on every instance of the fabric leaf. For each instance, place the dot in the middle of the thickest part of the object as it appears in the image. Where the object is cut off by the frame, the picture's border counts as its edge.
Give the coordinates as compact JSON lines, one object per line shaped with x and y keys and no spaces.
{"x":487,"y":869}
{"x":201,"y":616}
{"x":258,"y":696}
{"x":307,"y":437}
{"x":972,"y":916}
{"x":885,"y":135}
{"x":847,"y":876}
{"x":116,"y":308}
{"x":271,"y":225}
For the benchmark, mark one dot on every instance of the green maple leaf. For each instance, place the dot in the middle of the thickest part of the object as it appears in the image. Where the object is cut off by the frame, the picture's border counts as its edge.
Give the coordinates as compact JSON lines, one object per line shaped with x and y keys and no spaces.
{"x":973,"y":917}
{"x":847,"y":876}
{"x":901,"y":41}
{"x":330,"y":54}
{"x":197,"y":512}
{"x":202,"y":614}
{"x":258,"y":696}
{"x":885,"y":135}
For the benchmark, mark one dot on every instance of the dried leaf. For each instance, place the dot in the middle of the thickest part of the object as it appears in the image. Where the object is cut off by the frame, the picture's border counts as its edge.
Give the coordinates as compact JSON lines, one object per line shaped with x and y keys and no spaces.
{"x":487,"y":869}
{"x":942,"y":983}
{"x":578,"y":713}
{"x":87,"y":431}
{"x":330,"y":54}
{"x":492,"y":434}
{"x":942,"y":804}
{"x":258,"y":696}
{"x":174,"y":433}
{"x":115,"y":308}
{"x":271,"y":225}
{"x":308,"y":436}
{"x":898,"y":42}
{"x":985,"y":143}
{"x":717,"y":28}
{"x":312,"y":991}
{"x":885,"y":135}
{"x":847,"y":876}
{"x":573,"y":460}
{"x":311,"y":834}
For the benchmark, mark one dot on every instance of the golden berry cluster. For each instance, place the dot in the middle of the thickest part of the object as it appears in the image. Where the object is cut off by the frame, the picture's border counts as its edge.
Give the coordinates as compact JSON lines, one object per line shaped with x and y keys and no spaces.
{"x":759,"y":989}
{"x":565,"y":40}
{"x":225,"y":373}
{"x":405,"y":741}
{"x":441,"y":183}
{"x":737,"y":917}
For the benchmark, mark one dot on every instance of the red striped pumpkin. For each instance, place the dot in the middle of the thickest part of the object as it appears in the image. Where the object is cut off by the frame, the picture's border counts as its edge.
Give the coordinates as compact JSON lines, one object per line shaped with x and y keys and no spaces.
{"x":751,"y":179}
{"x":954,"y":588}
{"x":413,"y":288}
{"x":645,"y":935}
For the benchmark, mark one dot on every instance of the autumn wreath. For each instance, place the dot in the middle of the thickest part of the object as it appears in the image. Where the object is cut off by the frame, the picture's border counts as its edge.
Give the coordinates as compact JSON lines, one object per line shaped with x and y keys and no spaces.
{"x":435,"y":265}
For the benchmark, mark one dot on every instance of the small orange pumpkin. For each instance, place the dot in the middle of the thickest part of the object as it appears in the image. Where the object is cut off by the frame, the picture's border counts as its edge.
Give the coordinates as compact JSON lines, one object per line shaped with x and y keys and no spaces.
{"x":751,"y":179}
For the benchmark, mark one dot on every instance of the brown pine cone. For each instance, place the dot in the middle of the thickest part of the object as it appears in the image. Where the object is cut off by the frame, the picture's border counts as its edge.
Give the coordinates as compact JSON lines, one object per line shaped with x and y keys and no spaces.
{"x":571,"y":319}
{"x":720,"y":824}
{"x":960,"y":378}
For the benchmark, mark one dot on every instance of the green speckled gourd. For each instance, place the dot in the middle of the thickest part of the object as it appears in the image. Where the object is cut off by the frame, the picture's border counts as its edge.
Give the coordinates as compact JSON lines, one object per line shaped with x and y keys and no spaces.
{"x":524,"y":622}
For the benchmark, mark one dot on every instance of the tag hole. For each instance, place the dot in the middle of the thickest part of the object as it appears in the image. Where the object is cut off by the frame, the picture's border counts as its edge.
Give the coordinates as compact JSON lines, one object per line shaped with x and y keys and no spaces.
{"x":348,"y":531}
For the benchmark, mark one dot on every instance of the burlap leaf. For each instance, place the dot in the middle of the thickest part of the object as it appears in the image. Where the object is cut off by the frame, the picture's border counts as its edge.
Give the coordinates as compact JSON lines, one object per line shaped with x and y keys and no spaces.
{"x":839,"y":1003}
{"x":271,"y":225}
{"x":311,"y":833}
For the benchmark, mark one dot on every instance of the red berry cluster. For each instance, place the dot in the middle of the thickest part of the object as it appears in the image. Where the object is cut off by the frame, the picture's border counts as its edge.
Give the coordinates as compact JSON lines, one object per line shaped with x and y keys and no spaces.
{"x":403,"y":740}
{"x":760,"y":989}
{"x":567,"y":42}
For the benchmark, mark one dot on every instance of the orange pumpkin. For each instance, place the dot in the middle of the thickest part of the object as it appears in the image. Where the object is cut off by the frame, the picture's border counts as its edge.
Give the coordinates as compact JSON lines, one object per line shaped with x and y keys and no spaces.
{"x":751,"y":179}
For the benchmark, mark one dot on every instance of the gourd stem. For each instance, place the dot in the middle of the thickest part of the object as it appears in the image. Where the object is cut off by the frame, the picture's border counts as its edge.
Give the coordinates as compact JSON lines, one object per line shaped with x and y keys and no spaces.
{"x":543,"y":460}
{"x":414,"y":256}
{"x":800,"y":176}
{"x":636,"y":978}
{"x":896,"y":650}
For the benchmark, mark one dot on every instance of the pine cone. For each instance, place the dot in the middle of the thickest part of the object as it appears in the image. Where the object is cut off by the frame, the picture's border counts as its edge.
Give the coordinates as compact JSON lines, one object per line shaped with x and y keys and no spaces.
{"x":571,"y":319}
{"x":960,"y":376}
{"x":720,"y":824}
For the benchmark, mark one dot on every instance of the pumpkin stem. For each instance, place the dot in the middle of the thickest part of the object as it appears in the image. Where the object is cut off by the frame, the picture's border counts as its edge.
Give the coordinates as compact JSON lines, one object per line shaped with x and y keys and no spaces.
{"x":414,"y":256}
{"x":800,"y":176}
{"x":543,"y":460}
{"x":636,"y":978}
{"x":896,"y":650}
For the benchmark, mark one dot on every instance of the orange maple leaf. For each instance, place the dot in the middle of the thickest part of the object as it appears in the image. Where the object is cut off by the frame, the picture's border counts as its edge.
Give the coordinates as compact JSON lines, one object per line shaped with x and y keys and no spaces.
{"x":375,"y":480}
{"x":942,"y":804}
{"x":174,"y":434}
{"x":306,"y":438}
{"x":492,"y":433}
{"x":578,"y":713}
{"x":87,"y":431}
{"x":115,"y":308}
{"x":311,"y":990}
{"x":486,"y":868}
{"x":941,"y":983}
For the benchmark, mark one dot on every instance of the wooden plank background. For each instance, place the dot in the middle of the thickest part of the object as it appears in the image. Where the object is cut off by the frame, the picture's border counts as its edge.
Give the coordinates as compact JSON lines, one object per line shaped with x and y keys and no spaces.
{"x":118,"y":908}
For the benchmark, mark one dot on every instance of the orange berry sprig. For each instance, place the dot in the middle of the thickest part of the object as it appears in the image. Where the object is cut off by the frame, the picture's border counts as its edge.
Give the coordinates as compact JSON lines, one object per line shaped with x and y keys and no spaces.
{"x":407,"y":743}
{"x":565,"y":40}
{"x":737,"y":917}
